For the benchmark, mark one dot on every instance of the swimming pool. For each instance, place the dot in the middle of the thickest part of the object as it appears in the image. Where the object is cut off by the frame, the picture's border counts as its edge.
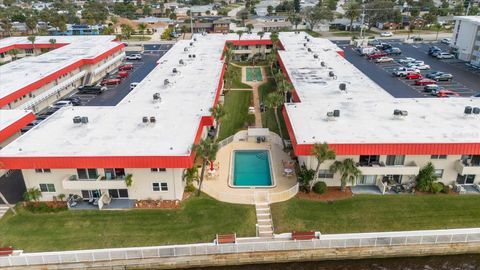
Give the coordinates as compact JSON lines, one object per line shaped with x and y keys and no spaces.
{"x":251,"y":168}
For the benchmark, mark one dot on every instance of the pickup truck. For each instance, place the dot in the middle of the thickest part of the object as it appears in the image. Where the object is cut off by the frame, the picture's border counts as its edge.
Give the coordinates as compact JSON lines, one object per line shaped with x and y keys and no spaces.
{"x":91,"y":89}
{"x":401,"y":72}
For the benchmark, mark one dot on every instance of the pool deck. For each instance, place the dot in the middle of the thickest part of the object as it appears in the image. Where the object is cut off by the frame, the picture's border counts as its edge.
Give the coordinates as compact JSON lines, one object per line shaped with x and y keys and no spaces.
{"x":218,"y":186}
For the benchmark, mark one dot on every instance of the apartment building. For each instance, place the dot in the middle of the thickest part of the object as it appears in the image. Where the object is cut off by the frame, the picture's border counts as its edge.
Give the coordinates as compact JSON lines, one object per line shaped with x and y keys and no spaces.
{"x":388,"y":138}
{"x":466,"y":38}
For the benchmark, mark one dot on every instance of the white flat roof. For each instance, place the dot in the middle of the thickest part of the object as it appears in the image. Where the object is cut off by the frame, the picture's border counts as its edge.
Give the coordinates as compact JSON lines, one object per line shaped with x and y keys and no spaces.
{"x":119,"y":131}
{"x":8,"y":117}
{"x":366,"y":109}
{"x":25,"y":71}
{"x":473,"y":19}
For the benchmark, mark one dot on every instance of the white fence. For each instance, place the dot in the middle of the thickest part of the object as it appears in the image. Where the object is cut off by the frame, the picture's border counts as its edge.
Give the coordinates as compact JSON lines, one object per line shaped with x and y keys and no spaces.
{"x":279,"y":243}
{"x":243,"y":136}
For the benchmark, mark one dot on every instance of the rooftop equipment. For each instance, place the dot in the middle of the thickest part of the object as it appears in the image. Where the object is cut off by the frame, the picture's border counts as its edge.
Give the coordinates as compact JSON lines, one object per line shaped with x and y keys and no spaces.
{"x":342,"y":86}
{"x":152,"y":119}
{"x":145,"y":119}
{"x":84,"y":120}
{"x":468,"y":110}
{"x":476,"y":110}
{"x":77,"y":120}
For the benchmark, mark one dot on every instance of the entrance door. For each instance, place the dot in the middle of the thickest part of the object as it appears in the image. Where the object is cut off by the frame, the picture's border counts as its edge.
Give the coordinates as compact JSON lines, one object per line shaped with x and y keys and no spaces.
{"x":88,"y":194}
{"x":466,"y":179}
{"x":366,"y":180}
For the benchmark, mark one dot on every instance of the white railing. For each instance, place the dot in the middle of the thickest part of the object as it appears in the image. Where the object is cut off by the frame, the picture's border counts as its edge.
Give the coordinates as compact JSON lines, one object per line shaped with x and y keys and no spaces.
{"x":382,"y":186}
{"x":283,"y":195}
{"x":279,"y":243}
{"x":109,"y":63}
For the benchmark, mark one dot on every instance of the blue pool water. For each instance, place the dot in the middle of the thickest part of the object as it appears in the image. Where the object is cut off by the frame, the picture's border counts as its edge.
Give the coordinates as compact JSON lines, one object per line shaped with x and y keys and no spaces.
{"x":251,"y":168}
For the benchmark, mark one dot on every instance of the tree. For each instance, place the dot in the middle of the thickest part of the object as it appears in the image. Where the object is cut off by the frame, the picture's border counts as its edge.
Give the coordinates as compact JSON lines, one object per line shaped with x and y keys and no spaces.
{"x":249,"y":27}
{"x":332,"y":4}
{"x":426,"y":178}
{"x":295,"y":19}
{"x":52,"y":42}
{"x":314,"y":15}
{"x":459,"y":9}
{"x":348,"y":171}
{"x":127,"y":30}
{"x":378,"y":11}
{"x":13,"y":52}
{"x":7,"y":26}
{"x":414,"y":12}
{"x":206,"y":150}
{"x":141,"y":28}
{"x":190,"y":175}
{"x":296,"y":5}
{"x":243,"y":16}
{"x":32,"y":194}
{"x":95,"y":12}
{"x":273,"y":101}
{"x":218,"y":113}
{"x":261,"y":34}
{"x":239,"y":33}
{"x":32,"y":40}
{"x":31,"y":23}
{"x":437,"y":28}
{"x":352,"y":11}
{"x":322,"y":152}
{"x":270,"y":10}
{"x":305,"y":177}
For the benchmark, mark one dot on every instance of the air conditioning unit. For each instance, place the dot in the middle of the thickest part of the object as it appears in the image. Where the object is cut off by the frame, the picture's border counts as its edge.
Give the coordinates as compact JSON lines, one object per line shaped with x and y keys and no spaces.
{"x":84,"y":120}
{"x":476,"y":110}
{"x":145,"y":119}
{"x":333,"y":115}
{"x":77,"y":120}
{"x":468,"y":110}
{"x":152,"y":119}
{"x":399,"y":114}
{"x":342,"y":86}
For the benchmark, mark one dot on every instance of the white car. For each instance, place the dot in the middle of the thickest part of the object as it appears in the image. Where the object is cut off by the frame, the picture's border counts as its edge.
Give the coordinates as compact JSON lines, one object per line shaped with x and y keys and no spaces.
{"x":421,"y":66}
{"x":446,"y":41}
{"x":136,"y":56}
{"x":406,"y":60}
{"x":445,"y":55}
{"x":383,"y":60}
{"x":402,"y":71}
{"x":61,"y":103}
{"x":386,"y":34}
{"x":417,"y":62}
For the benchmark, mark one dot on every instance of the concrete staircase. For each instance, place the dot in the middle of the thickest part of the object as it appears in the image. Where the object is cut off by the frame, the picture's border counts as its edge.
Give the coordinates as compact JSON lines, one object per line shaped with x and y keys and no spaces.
{"x":264,"y":219}
{"x":3,"y":209}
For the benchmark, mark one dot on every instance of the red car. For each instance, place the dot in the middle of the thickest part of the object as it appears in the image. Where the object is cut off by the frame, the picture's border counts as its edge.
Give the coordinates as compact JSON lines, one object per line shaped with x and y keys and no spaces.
{"x":425,"y":82}
{"x":122,"y":74}
{"x":111,"y":82}
{"x":376,"y":55}
{"x":447,"y":93}
{"x":126,"y":67}
{"x":413,"y":76}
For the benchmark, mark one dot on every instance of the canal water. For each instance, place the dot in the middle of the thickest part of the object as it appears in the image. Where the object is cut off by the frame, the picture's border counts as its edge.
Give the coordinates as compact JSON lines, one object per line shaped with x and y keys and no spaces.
{"x":457,"y":262}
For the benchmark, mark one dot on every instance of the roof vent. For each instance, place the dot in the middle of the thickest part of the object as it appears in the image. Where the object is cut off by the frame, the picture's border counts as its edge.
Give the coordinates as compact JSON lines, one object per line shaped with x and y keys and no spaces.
{"x":77,"y":120}
{"x":185,"y":49}
{"x":309,"y":50}
{"x":181,"y":62}
{"x":304,"y":44}
{"x":306,"y":37}
{"x":174,"y":70}
{"x":189,"y":56}
{"x":193,"y":55}
{"x":156,"y":97}
{"x":476,"y":110}
{"x":166,"y":82}
{"x":315,"y":56}
{"x":468,"y":110}
{"x":191,"y":43}
{"x":332,"y":75}
{"x":342,"y":86}
{"x":145,"y":119}
{"x":399,"y":114}
{"x":323,"y":64}
{"x":194,"y":39}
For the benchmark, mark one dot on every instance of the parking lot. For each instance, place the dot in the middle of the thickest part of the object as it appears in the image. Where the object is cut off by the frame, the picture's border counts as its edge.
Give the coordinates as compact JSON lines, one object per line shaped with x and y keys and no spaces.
{"x":466,"y":80}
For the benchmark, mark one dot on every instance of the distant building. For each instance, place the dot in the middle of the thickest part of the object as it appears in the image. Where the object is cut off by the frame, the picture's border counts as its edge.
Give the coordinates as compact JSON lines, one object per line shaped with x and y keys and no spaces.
{"x":77,"y":30}
{"x":466,"y":38}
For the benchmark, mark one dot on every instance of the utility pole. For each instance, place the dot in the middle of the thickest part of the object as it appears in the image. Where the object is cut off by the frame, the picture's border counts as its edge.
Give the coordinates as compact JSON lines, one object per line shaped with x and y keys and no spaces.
{"x":191,"y":23}
{"x":362,"y":21}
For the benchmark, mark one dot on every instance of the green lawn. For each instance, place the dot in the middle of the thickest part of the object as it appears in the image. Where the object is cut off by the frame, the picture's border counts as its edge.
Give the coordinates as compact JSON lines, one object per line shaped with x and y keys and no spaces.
{"x":268,"y":117}
{"x":236,"y":105}
{"x":378,"y":213}
{"x":199,"y":219}
{"x":237,"y":78}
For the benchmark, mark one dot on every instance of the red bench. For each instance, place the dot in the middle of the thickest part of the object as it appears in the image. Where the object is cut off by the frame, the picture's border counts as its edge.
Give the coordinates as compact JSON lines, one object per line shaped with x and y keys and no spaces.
{"x":5,"y":251}
{"x":226,"y":238}
{"x":303,"y":235}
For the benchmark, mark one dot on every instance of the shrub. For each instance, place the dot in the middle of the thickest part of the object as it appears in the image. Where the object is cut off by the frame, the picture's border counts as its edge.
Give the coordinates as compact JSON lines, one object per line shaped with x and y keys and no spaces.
{"x":320,"y":187}
{"x":45,"y":207}
{"x":426,"y":178}
{"x":189,"y":188}
{"x":250,"y":119}
{"x":446,"y":189}
{"x":437,"y":187}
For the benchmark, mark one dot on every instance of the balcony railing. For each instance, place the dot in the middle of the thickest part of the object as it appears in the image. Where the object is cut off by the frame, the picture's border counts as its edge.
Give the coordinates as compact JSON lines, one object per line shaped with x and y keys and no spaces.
{"x":73,"y":183}
{"x":465,"y":167}
{"x":381,"y":169}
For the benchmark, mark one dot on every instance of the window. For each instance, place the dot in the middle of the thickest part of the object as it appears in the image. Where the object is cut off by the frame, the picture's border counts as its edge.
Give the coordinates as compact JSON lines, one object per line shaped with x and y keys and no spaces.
{"x":47,"y":187}
{"x":439,"y":173}
{"x":160,"y":186}
{"x":438,"y":157}
{"x":368,"y":160}
{"x":325,"y":174}
{"x":87,"y":173}
{"x":158,"y":169}
{"x":43,"y":170}
{"x":396,"y":160}
{"x":29,"y":51}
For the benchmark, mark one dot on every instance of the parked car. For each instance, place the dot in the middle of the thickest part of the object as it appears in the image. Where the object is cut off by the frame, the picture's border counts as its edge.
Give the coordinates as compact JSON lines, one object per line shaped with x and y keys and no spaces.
{"x":476,"y":95}
{"x":135,"y":56}
{"x":374,"y":42}
{"x":386,"y":34}
{"x":61,"y":103}
{"x":413,"y":76}
{"x":384,"y":60}
{"x":394,"y":51}
{"x":417,"y":38}
{"x":446,"y":41}
{"x":91,"y":89}
{"x":366,"y":50}
{"x":431,"y":75}
{"x":133,"y":85}
{"x":126,"y":67}
{"x":76,"y":101}
{"x":433,"y":49}
{"x":400,"y":72}
{"x":425,"y":82}
{"x":432,"y":88}
{"x":443,"y":77}
{"x":30,"y":125}
{"x":113,"y":81}
{"x":420,"y":66}
{"x":376,"y":55}
{"x":406,"y":60}
{"x":122,"y":74}
{"x":435,"y":53}
{"x":445,"y":55}
{"x":447,"y":93}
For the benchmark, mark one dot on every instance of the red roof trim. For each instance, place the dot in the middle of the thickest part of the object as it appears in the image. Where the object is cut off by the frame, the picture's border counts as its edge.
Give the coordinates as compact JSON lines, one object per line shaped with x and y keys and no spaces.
{"x":31,"y":87}
{"x":30,"y":46}
{"x":16,"y":126}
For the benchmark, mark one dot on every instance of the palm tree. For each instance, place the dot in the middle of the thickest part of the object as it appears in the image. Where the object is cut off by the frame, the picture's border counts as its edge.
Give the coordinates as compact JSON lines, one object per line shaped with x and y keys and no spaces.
{"x":272,"y":60}
{"x":261,"y":34}
{"x":32,"y":40}
{"x":219,"y":114}
{"x":184,"y":30}
{"x":348,"y":170}
{"x":189,"y":175}
{"x":52,"y":42}
{"x":32,"y":194}
{"x":273,"y":101}
{"x":239,"y":33}
{"x":228,"y":79}
{"x":249,"y":27}
{"x":322,"y":152}
{"x":352,"y":11}
{"x":437,"y":28}
{"x":14,"y":52}
{"x":141,"y":28}
{"x":206,"y":150}
{"x":274,"y":39}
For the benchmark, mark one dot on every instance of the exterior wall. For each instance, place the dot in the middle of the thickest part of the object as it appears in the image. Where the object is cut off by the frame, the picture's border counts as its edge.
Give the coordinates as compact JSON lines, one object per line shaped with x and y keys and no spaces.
{"x":248,"y":51}
{"x":464,"y":39}
{"x":449,"y":176}
{"x":141,"y":187}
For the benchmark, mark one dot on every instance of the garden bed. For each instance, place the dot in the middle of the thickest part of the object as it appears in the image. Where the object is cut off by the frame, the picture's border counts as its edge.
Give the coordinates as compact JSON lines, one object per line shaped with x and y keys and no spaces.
{"x":332,"y":194}
{"x":162,"y":204}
